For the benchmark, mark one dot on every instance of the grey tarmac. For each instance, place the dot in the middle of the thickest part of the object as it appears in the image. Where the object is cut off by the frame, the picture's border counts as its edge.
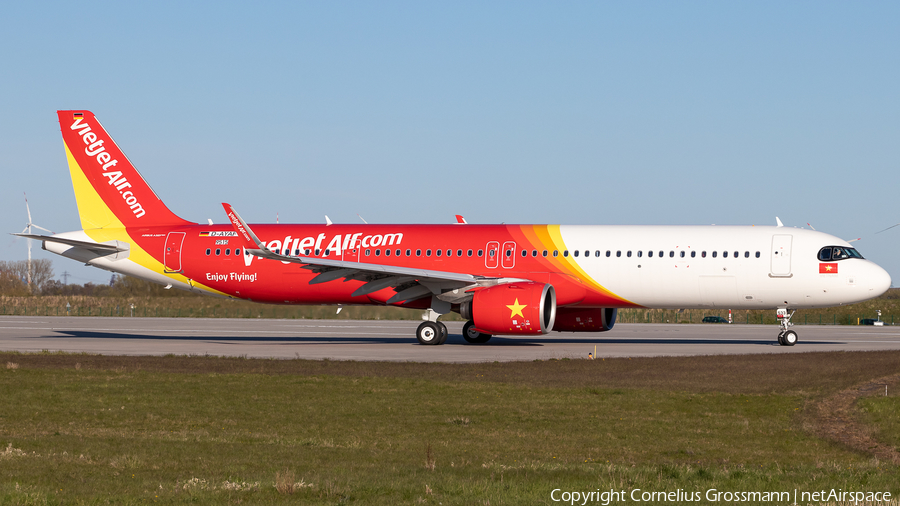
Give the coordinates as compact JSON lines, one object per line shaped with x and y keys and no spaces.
{"x":395,"y":341}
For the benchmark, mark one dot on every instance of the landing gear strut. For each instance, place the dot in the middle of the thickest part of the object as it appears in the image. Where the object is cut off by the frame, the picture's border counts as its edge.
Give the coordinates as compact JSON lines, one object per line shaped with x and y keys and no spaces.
{"x":786,"y":337}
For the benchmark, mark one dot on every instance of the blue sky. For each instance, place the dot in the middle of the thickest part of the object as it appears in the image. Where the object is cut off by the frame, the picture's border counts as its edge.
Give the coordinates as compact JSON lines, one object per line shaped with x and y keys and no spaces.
{"x":518,"y":112}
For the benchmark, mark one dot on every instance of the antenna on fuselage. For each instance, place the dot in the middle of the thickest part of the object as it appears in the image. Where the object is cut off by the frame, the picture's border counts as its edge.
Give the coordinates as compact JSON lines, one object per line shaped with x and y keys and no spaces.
{"x":363,"y":219}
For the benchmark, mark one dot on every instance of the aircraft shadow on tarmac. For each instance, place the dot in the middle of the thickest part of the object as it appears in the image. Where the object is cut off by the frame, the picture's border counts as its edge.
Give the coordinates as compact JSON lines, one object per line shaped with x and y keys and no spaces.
{"x":453,"y":339}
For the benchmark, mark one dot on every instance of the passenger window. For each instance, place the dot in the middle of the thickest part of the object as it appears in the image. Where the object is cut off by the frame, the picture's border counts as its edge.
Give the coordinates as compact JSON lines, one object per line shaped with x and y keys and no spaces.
{"x":428,"y":252}
{"x":408,"y":252}
{"x":508,"y":253}
{"x":682,"y":254}
{"x":746,"y":254}
{"x":714,"y":254}
{"x":480,"y":253}
{"x":661,"y":254}
{"x":607,"y":253}
{"x":576,"y":252}
{"x":367,"y":252}
{"x":736,"y":254}
{"x":587,"y":253}
{"x":724,"y":254}
{"x":449,"y":252}
{"x":618,"y":254}
{"x":757,"y":254}
{"x":671,"y":254}
{"x":438,"y":253}
{"x":556,"y":253}
{"x":227,"y":251}
{"x":296,"y":252}
{"x":628,"y":254}
{"x":318,"y":251}
{"x":640,"y":253}
{"x":566,"y":253}
{"x":703,"y":255}
{"x":544,"y":253}
{"x":469,"y":253}
{"x":237,"y":251}
{"x":650,"y":254}
{"x":398,"y":252}
{"x":219,"y":251}
{"x":491,"y":253}
{"x":524,"y":253}
{"x":459,"y":253}
{"x":387,"y":252}
{"x":378,"y":252}
{"x":693,"y":254}
{"x":418,"y":252}
{"x":208,"y":251}
{"x":534,"y":252}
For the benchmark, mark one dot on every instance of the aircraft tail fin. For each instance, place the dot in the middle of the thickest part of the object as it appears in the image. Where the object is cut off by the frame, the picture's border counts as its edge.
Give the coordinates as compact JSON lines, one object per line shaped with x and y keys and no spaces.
{"x":109,"y":190}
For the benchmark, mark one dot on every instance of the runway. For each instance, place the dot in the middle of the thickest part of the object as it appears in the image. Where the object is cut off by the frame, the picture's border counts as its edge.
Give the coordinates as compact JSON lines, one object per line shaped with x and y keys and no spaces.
{"x":395,"y":341}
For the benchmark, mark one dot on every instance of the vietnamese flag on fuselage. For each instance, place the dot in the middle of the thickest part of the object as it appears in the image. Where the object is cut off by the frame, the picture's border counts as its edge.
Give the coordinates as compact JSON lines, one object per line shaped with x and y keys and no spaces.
{"x":827,"y":268}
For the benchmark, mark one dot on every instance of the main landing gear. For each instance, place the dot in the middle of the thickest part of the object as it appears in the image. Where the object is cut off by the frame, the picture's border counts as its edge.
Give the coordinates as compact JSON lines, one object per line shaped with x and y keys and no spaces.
{"x":431,"y":333}
{"x":786,"y":337}
{"x":473,"y":336}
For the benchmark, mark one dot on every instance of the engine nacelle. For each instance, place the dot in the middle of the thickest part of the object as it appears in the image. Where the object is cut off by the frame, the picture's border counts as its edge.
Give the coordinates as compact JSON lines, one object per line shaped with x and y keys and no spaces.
{"x":585,"y":320}
{"x":514,"y":308}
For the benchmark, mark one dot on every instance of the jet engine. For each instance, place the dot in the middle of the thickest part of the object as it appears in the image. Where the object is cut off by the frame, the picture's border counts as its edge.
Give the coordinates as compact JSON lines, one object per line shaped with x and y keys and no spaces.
{"x":585,"y":320}
{"x":513,"y":308}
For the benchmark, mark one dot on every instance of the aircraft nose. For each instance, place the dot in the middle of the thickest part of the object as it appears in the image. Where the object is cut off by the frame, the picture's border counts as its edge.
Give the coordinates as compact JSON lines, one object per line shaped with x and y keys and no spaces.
{"x":878,"y":280}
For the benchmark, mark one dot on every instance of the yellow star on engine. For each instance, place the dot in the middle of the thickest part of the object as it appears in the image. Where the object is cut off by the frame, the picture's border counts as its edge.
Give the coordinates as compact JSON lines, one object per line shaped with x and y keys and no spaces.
{"x":516,"y":309}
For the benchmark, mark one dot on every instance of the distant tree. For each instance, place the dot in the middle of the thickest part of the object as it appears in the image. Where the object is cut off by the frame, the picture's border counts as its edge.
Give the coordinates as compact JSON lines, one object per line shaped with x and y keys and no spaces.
{"x":41,"y":272}
{"x":11,"y":285}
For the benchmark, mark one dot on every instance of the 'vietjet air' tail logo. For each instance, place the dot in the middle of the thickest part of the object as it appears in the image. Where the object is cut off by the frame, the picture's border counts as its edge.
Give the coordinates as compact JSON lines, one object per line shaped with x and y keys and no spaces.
{"x":94,"y":149}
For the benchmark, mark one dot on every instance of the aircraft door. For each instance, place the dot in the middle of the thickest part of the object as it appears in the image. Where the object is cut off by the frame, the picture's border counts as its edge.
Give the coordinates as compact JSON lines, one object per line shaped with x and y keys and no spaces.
{"x":781,"y":255}
{"x":509,"y":255}
{"x":492,"y":254}
{"x":172,"y":256}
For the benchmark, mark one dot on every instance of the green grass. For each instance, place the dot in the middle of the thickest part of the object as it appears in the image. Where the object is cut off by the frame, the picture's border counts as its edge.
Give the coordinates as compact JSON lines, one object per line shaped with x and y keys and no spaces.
{"x":884,"y":414}
{"x":79,"y":429}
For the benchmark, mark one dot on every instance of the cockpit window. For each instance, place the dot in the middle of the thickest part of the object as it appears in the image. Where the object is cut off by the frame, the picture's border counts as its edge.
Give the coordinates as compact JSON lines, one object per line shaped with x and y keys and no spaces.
{"x":832,"y":253}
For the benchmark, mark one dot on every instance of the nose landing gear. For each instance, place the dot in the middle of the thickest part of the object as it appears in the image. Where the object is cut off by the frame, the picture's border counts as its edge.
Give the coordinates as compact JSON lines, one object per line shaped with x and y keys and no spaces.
{"x":786,"y":337}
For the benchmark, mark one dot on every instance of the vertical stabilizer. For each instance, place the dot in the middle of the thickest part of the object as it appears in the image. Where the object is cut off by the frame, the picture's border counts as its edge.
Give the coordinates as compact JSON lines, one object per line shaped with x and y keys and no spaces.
{"x":110,"y":192}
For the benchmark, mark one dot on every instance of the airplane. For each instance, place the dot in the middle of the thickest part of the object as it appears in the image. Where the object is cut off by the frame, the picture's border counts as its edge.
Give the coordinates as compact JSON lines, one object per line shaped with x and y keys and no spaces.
{"x":514,"y":280}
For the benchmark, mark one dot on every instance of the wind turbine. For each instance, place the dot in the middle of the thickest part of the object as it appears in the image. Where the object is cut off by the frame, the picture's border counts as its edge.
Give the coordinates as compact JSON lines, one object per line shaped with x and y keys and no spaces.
{"x":27,"y":230}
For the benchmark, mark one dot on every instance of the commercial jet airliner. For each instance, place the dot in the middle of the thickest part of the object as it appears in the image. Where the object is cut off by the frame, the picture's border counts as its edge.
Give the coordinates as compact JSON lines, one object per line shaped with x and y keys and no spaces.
{"x":503,"y":279}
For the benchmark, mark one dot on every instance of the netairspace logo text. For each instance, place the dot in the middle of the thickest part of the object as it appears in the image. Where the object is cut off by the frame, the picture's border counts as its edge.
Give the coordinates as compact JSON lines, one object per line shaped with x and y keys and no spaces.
{"x":712,"y":495}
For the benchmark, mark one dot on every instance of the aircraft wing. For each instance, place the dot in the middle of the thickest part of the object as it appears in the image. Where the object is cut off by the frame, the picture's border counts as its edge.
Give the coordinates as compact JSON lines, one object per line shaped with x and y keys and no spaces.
{"x":409,"y":283}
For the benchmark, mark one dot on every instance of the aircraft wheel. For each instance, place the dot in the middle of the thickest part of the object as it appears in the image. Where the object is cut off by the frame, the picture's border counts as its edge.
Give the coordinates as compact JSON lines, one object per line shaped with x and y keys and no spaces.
{"x":781,"y":338}
{"x":789,"y":338}
{"x":444,"y":333}
{"x":473,"y":336}
{"x":428,"y":333}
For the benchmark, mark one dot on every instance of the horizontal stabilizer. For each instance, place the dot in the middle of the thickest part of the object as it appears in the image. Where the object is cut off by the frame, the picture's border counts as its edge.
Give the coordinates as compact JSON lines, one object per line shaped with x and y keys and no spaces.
{"x":111,"y":246}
